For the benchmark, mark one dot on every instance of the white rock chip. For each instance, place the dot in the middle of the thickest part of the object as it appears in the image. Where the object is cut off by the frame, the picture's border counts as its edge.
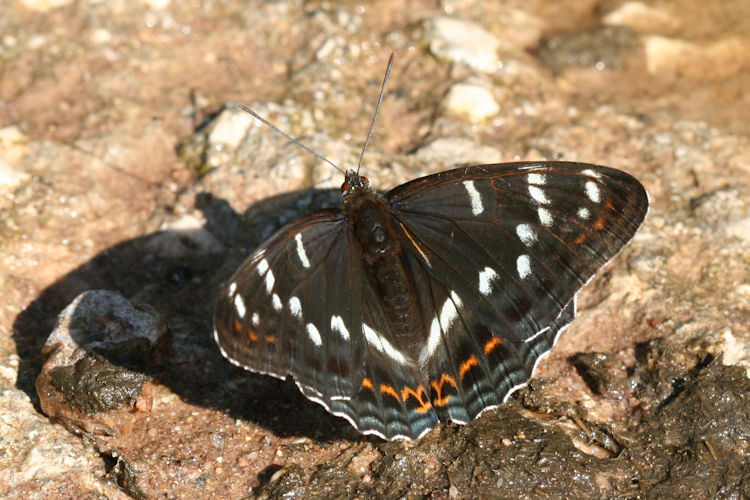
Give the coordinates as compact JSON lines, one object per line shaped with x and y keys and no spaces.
{"x":11,"y":136}
{"x":642,"y":18}
{"x":231,"y":127}
{"x":44,"y":5}
{"x":10,"y":177}
{"x":472,"y":100}
{"x":157,"y":4}
{"x":463,"y":42}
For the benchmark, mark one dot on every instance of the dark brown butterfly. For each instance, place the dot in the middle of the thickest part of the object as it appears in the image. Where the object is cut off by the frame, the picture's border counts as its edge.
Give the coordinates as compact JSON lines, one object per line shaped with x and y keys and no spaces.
{"x":433,"y":302}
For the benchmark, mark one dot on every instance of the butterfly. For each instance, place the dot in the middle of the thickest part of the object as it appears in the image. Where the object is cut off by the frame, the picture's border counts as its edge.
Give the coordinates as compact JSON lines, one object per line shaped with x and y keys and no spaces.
{"x":430,"y":303}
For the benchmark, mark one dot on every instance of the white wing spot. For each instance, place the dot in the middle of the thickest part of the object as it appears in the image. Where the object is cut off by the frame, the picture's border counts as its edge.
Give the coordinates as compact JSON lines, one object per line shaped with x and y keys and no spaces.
{"x":486,"y":276}
{"x":584,"y":213}
{"x":591,"y":173}
{"x":538,"y":194}
{"x":381,"y":344}
{"x":592,"y":191}
{"x":255,"y":319}
{"x":262,"y":267}
{"x":301,"y":251}
{"x":526,"y":233}
{"x":239,"y":304}
{"x":337,"y":325}
{"x":232,"y":288}
{"x":476,"y":200}
{"x":523,"y":264}
{"x":441,"y":323}
{"x":537,"y":179}
{"x":276,"y":302}
{"x":314,"y":334}
{"x":295,"y":307}
{"x":434,"y":337}
{"x":270,"y":280}
{"x":449,"y":311}
{"x":545,"y":217}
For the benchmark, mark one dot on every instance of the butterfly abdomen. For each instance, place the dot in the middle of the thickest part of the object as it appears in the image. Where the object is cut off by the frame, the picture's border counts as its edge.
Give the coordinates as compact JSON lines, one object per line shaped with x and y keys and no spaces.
{"x":376,"y":234}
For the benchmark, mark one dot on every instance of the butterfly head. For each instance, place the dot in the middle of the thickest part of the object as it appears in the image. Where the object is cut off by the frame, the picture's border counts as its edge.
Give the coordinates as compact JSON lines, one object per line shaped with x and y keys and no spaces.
{"x":354,"y":182}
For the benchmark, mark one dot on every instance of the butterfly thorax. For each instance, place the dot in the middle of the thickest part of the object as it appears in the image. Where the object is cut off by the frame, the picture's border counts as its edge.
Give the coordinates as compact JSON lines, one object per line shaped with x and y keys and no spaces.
{"x":374,"y":231}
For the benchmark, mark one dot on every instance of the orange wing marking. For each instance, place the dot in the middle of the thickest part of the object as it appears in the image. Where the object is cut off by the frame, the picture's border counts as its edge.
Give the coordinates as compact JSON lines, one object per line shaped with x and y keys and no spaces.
{"x":599,"y":224}
{"x":467,"y":365}
{"x":367,"y":384}
{"x":237,"y":326}
{"x":420,"y":395}
{"x":581,"y":238}
{"x":388,"y":389}
{"x":492,"y":344}
{"x":440,"y":399}
{"x":252,"y":336}
{"x":270,"y":339}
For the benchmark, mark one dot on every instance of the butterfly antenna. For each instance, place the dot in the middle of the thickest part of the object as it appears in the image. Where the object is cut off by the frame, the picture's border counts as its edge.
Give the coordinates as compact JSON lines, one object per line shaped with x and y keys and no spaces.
{"x":377,"y":110}
{"x":290,"y":138}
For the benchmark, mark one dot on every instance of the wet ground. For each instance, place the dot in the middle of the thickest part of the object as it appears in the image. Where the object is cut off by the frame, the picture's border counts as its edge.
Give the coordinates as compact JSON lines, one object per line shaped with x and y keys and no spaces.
{"x":115,"y":175}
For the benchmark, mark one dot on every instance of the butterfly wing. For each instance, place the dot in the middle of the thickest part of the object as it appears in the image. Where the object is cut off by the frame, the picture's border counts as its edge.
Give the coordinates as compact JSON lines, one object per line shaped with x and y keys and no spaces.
{"x":276,"y":314}
{"x":300,"y":305}
{"x":505,"y":249}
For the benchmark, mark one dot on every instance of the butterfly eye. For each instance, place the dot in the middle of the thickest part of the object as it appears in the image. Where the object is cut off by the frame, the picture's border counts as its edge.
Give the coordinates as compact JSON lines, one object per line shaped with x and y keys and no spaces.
{"x":345,"y":186}
{"x":365,"y":180}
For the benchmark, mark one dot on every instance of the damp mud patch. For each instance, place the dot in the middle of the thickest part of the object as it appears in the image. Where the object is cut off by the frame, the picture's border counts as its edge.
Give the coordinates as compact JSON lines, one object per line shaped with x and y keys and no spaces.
{"x":687,"y":436}
{"x":696,"y":442}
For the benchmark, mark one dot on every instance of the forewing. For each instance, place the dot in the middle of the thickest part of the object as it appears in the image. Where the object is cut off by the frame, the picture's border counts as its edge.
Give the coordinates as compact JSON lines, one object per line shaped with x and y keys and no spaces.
{"x":285,"y":309}
{"x":506,"y":248}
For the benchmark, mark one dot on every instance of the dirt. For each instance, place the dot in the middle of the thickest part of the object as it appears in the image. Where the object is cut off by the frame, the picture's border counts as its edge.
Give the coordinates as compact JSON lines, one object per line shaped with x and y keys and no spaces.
{"x":644,"y":396}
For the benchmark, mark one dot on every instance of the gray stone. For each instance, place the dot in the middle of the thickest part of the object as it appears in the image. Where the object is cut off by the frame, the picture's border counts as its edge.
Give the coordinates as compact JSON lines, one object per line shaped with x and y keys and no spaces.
{"x":98,"y":362}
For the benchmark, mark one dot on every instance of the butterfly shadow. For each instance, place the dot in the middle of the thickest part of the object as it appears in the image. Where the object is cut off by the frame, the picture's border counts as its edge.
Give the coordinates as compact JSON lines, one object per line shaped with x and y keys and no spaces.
{"x":182,"y":289}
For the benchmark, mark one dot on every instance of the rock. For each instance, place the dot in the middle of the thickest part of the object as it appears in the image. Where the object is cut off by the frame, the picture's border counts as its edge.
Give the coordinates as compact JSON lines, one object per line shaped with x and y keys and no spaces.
{"x":462,"y":42}
{"x":100,"y":362}
{"x":676,"y":58}
{"x":474,"y":101}
{"x":725,"y":210}
{"x":518,"y":28}
{"x":184,"y":237}
{"x":641,"y":18}
{"x":604,"y":48}
{"x":244,"y":160}
{"x":158,"y":4}
{"x":14,"y":148}
{"x":11,"y":136}
{"x":36,"y":452}
{"x":100,"y":36}
{"x":11,"y":177}
{"x":453,"y":151}
{"x":733,"y":349}
{"x":231,"y":127}
{"x":44,"y":5}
